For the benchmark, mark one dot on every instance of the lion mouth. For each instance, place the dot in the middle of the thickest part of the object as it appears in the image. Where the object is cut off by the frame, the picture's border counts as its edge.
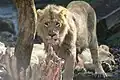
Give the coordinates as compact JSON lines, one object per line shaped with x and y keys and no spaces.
{"x":53,"y":40}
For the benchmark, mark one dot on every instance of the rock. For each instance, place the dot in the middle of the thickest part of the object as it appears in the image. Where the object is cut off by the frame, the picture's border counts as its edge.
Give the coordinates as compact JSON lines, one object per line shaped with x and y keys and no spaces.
{"x":114,"y":40}
{"x":108,"y":13}
{"x":8,"y":18}
{"x":8,"y":22}
{"x":7,"y":32}
{"x":6,"y":25}
{"x":5,"y":2}
{"x":2,"y":48}
{"x":7,"y":38}
{"x":104,"y":56}
{"x":37,"y":57}
{"x":105,"y":8}
{"x":38,"y":54}
{"x":43,"y":3}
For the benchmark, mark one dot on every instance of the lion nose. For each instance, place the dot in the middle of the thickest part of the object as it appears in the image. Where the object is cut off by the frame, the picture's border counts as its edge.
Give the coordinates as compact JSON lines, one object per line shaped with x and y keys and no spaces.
{"x":52,"y":34}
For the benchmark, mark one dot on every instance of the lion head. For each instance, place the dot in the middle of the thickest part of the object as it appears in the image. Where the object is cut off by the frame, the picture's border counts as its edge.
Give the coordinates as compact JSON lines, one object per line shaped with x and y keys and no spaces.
{"x":105,"y":55}
{"x":52,"y":24}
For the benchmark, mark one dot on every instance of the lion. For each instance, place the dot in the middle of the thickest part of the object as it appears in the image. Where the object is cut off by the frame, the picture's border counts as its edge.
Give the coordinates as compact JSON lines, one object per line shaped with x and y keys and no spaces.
{"x":106,"y":58}
{"x":70,"y":29}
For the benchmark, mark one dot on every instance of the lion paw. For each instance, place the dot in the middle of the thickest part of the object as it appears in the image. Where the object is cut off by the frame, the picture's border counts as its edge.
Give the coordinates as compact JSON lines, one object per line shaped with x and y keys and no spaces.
{"x":100,"y":75}
{"x":107,"y":67}
{"x":80,"y":70}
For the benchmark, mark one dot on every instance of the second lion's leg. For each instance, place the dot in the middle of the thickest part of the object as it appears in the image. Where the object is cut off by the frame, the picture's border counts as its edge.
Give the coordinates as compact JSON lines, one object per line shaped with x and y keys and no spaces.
{"x":99,"y":72}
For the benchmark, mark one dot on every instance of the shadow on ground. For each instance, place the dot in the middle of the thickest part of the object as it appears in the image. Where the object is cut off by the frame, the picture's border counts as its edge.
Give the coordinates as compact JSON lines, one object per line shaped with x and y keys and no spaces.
{"x":111,"y":76}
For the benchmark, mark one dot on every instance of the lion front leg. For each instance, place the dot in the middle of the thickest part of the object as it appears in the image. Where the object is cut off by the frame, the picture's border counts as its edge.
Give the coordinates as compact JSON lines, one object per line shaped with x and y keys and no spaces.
{"x":99,"y":72}
{"x":69,"y":64}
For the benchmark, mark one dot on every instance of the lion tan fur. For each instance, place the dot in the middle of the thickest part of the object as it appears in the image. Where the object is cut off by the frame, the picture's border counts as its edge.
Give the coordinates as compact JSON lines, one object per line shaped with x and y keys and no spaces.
{"x":104,"y":56}
{"x":71,"y":29}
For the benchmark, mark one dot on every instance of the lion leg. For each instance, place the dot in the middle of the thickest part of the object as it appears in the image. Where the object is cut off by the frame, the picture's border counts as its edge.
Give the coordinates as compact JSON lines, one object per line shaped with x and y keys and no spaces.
{"x":89,"y":66}
{"x":99,"y":72}
{"x":79,"y":66}
{"x":69,"y":65}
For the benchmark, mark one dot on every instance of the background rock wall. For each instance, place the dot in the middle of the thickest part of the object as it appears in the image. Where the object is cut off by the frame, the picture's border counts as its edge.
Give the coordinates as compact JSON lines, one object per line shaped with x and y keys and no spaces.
{"x":8,"y":22}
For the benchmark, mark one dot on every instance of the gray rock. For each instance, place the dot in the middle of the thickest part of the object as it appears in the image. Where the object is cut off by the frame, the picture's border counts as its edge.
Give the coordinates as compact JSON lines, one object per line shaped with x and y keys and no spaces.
{"x":8,"y":15}
{"x":7,"y":25}
{"x":114,"y":40}
{"x":108,"y":16}
{"x":105,"y":8}
{"x":7,"y":38}
{"x":8,"y":22}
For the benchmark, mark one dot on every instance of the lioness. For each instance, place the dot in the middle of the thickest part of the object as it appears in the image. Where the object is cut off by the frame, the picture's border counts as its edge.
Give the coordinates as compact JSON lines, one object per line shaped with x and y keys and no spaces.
{"x":71,"y":29}
{"x":106,"y":58}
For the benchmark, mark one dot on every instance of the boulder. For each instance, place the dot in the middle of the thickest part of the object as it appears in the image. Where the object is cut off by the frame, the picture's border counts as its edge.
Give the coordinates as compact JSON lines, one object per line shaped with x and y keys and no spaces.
{"x":8,"y":22}
{"x":105,"y":57}
{"x":108,"y":18}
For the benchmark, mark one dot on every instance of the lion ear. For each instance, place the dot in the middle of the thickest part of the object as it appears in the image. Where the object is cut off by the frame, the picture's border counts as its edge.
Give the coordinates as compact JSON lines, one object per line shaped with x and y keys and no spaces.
{"x":39,"y":13}
{"x":63,"y":12}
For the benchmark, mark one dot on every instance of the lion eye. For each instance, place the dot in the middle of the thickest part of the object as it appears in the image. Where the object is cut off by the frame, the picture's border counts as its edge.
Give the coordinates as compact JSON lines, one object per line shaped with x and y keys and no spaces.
{"x":57,"y":24}
{"x":109,"y":55}
{"x":46,"y":24}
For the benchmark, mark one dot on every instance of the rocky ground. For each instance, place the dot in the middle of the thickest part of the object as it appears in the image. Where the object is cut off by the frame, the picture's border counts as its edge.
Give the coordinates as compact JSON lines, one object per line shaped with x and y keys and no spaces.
{"x":114,"y":75}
